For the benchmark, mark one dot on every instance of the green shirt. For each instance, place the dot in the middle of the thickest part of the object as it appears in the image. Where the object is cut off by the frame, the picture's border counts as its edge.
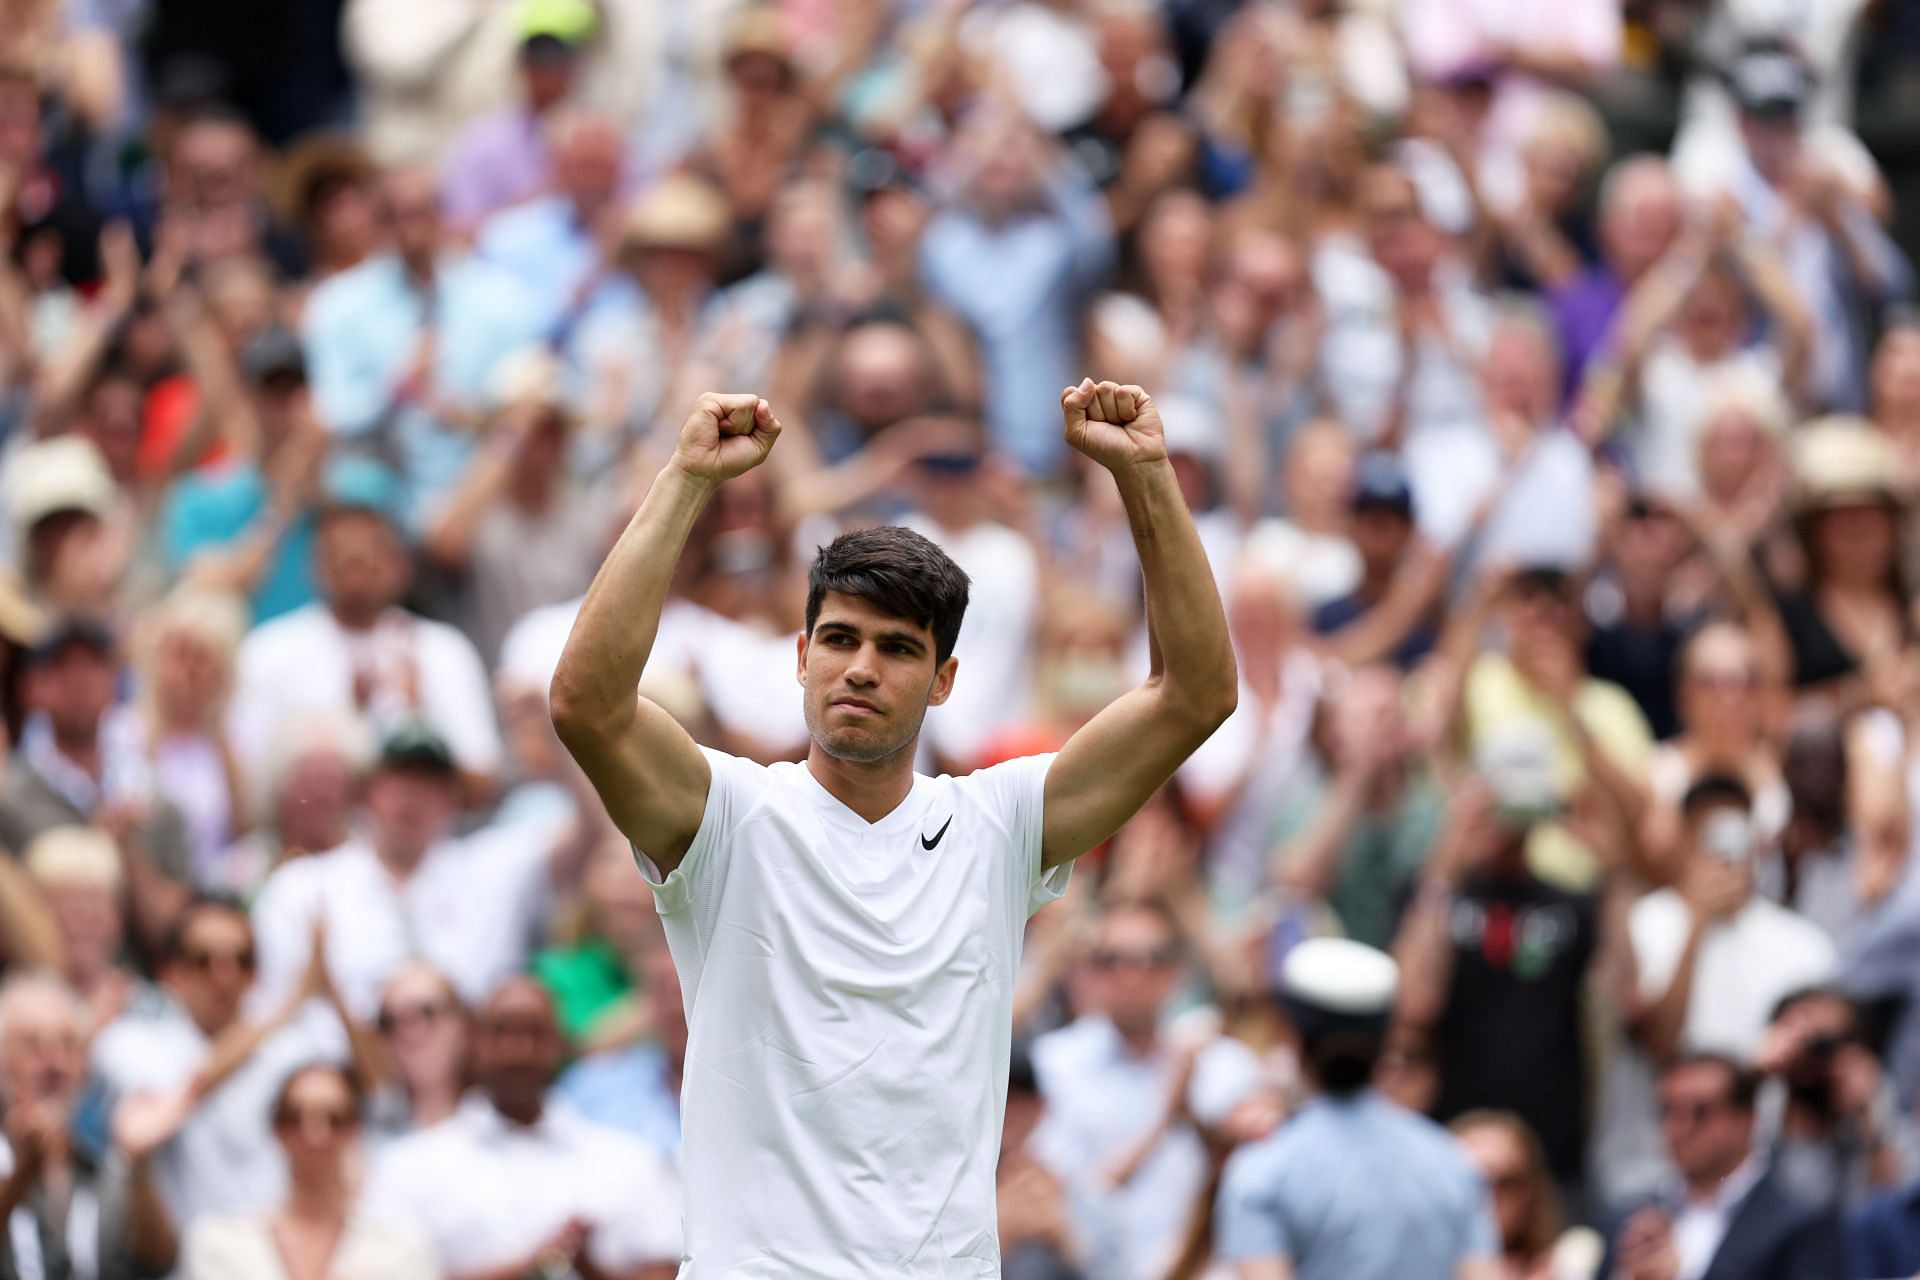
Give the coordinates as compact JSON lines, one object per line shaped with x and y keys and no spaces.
{"x":586,"y":980}
{"x":1382,"y":853}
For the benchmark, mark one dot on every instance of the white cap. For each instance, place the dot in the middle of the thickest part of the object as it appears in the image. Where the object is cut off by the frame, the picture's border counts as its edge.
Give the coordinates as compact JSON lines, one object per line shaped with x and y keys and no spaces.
{"x":65,"y":473}
{"x":1340,"y":976}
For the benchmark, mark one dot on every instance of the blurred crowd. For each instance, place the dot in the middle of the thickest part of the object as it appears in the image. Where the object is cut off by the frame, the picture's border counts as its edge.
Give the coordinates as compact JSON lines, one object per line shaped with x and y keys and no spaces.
{"x":1557,"y":468}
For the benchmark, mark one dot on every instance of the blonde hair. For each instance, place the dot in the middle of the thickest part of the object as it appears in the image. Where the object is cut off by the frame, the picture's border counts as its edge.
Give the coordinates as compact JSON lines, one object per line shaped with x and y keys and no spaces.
{"x":216,"y":619}
{"x":1566,"y":122}
{"x":75,"y":855}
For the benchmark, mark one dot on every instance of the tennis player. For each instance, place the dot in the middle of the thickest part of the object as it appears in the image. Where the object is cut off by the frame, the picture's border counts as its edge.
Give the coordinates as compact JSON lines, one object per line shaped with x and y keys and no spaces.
{"x":847,"y":931}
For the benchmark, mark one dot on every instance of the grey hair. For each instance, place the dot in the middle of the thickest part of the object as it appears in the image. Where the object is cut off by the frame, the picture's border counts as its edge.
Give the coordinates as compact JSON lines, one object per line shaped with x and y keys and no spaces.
{"x":296,"y":737}
{"x":1640,"y":167}
{"x":24,"y":988}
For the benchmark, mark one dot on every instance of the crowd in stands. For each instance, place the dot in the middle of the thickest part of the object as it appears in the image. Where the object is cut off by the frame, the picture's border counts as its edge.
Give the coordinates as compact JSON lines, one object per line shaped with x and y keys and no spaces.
{"x":1541,"y":380}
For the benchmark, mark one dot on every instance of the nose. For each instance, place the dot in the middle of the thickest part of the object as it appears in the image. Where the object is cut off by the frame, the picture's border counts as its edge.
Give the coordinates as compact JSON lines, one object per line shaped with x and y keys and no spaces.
{"x":862,"y":670}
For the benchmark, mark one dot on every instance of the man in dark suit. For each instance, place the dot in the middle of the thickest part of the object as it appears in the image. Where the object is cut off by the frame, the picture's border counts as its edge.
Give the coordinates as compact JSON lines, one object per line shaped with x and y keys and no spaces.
{"x":1728,"y":1219}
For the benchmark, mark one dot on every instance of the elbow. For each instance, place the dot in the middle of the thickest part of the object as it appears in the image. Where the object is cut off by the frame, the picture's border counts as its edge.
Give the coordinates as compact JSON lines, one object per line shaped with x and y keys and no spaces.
{"x":571,"y":708}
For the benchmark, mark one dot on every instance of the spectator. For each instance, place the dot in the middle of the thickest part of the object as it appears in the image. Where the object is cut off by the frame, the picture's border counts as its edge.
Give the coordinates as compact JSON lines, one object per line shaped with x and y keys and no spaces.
{"x":402,"y":347}
{"x":427,"y":1035}
{"x":184,"y":1053}
{"x":1827,"y":1112}
{"x":539,"y":1187}
{"x":1526,"y":1206}
{"x":555,"y":246}
{"x":1129,"y":1184}
{"x":79,"y":763}
{"x":303,"y":790}
{"x":1495,"y":959}
{"x":319,"y":1230}
{"x":68,"y":525}
{"x":1037,"y":1240}
{"x":486,"y":893}
{"x":1638,"y":220}
{"x":358,"y":652}
{"x":503,"y":157}
{"x":72,"y":1208}
{"x":1353,"y":1186}
{"x":1713,"y":956}
{"x":603,"y":982}
{"x":1389,"y":613}
{"x":80,"y":884}
{"x":1016,"y":209}
{"x":1881,"y":1236}
{"x":1361,"y":815}
{"x":1727,"y":1216}
{"x":635,"y":1087}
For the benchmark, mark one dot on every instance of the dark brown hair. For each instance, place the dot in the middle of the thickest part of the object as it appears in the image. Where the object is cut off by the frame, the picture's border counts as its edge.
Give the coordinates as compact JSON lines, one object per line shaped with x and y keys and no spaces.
{"x":899,"y":573}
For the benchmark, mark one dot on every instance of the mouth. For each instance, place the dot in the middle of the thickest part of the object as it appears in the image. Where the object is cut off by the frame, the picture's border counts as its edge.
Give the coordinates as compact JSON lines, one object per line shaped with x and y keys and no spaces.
{"x":855,"y":706}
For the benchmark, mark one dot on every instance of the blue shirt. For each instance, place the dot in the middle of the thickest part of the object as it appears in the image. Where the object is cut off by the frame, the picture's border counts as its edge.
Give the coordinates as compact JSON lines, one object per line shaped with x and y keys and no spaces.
{"x":1021,"y":283}
{"x":1883,"y":1236}
{"x":1356,"y":1189}
{"x":361,"y":331}
{"x":544,"y":245}
{"x":207,"y":510}
{"x":628,"y":1089}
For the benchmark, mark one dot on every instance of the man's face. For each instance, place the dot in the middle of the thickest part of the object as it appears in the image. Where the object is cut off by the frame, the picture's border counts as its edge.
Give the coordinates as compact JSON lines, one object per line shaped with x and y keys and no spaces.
{"x":586,"y":166}
{"x":1707,"y":1135}
{"x":1380,"y":534}
{"x":548,"y":76}
{"x":517,"y":1046}
{"x":42,"y":1058}
{"x":412,"y":810}
{"x":214,"y":968}
{"x":879,"y":376}
{"x":412,"y":208}
{"x":1642,"y":224}
{"x":361,"y":567}
{"x":1403,"y":242}
{"x":213,"y":163}
{"x":1135,"y":963}
{"x":869,"y":679}
{"x":1518,"y":375}
{"x":1773,"y":143}
{"x":74,"y":688}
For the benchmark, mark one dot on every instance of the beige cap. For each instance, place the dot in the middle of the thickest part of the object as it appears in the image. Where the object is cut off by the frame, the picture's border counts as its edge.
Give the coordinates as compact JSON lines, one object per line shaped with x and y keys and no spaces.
{"x":1842,"y":461}
{"x":65,"y":473}
{"x":679,"y":212}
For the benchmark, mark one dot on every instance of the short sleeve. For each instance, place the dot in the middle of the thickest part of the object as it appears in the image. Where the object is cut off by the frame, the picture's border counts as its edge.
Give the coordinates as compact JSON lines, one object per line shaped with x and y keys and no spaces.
{"x":1015,"y":791}
{"x":735,"y":787}
{"x":1482,"y":1241}
{"x":1247,"y":1221}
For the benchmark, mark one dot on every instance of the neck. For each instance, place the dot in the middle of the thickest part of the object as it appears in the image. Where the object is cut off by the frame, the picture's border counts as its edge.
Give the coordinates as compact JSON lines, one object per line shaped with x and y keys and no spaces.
{"x":82,"y":749}
{"x":419,"y":268}
{"x":523,"y":1112}
{"x":318,"y":1199}
{"x":400,"y":863}
{"x":1139,"y":1039}
{"x":433,"y":1103}
{"x":356,"y":617}
{"x":531,"y":488}
{"x":871,"y":790}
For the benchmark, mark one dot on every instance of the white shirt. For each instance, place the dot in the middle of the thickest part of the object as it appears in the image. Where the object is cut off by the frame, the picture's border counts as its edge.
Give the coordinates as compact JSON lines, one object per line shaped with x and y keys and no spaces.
{"x":849,"y":996}
{"x":994,"y":686}
{"x":243,"y":1248}
{"x":1701,"y":1225}
{"x":305,"y":662}
{"x":1744,"y":967}
{"x":1545,"y":512}
{"x":224,"y":1159}
{"x":83,"y":1231}
{"x":473,"y":909}
{"x":485,"y":1191}
{"x":1102,"y":1100}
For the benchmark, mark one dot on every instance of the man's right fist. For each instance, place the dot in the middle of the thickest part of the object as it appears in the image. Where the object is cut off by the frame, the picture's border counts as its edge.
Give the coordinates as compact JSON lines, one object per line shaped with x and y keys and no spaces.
{"x":726,"y":434}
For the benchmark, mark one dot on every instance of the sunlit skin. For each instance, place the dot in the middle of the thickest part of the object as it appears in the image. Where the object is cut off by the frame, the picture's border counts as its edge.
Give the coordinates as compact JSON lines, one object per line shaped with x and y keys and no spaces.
{"x":868,"y":679}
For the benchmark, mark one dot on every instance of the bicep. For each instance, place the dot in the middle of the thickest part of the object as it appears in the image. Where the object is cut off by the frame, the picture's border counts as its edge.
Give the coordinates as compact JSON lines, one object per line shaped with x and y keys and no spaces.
{"x":652,"y":778}
{"x":1111,"y":767}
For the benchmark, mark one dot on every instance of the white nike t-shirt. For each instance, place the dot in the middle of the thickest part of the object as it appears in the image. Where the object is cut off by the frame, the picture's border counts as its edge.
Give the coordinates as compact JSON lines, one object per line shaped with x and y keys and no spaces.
{"x":849,"y":996}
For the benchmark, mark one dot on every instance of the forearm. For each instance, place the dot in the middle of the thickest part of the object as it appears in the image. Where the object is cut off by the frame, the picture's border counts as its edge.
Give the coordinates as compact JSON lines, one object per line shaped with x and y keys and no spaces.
{"x":449,"y":539}
{"x":1666,"y":1020}
{"x":150,"y":1232}
{"x":1424,"y":952}
{"x":1194,"y":659}
{"x":620,"y":617}
{"x":1309,"y":864}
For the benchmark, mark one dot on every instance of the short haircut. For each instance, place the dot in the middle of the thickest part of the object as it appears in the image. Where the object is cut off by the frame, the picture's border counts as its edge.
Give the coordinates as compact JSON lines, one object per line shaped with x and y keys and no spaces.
{"x":899,"y":573}
{"x":283,"y":1095}
{"x":1712,"y":789}
{"x":25,"y":988}
{"x":1743,"y":1083}
{"x":1807,"y":995}
{"x":174,"y":945}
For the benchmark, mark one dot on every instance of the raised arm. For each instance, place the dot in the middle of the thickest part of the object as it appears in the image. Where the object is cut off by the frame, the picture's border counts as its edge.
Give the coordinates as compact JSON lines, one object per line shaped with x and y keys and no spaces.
{"x":650,"y":775}
{"x":1124,"y":754}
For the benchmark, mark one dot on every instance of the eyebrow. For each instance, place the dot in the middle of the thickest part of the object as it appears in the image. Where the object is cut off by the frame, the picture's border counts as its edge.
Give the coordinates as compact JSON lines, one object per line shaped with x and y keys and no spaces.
{"x":848,"y":629}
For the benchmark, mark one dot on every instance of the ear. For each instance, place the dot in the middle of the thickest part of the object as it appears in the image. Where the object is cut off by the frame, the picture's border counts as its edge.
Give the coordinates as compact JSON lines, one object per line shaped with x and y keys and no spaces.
{"x":800,"y":663}
{"x":943,"y":682}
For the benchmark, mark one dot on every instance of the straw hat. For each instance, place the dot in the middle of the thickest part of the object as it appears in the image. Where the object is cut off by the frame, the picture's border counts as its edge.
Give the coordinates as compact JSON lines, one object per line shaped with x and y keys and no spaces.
{"x":65,"y":473}
{"x":1842,"y":462}
{"x":315,"y":161}
{"x":679,"y":212}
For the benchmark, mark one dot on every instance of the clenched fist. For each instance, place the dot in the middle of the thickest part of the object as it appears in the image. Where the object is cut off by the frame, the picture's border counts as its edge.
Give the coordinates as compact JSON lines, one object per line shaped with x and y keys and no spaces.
{"x":1117,"y":426}
{"x":727,"y":433}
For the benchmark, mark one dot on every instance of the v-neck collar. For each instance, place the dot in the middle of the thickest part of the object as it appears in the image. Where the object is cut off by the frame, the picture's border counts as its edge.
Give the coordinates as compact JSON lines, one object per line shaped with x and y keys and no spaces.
{"x":837,"y":810}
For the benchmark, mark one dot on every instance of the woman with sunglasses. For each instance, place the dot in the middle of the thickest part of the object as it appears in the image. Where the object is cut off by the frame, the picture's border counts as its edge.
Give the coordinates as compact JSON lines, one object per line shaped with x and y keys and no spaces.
{"x":1526,"y":1206}
{"x":423,"y":1027}
{"x":317,"y":1233}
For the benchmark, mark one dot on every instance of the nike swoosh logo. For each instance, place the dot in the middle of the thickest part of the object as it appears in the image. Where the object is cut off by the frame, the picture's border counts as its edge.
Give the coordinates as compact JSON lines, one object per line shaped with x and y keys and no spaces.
{"x":928,"y":844}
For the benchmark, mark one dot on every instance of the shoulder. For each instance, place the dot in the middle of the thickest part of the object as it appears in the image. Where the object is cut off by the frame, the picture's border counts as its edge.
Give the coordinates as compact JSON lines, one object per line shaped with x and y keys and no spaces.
{"x":1061,"y":1051}
{"x":304,"y":626}
{"x":348,"y":289}
{"x":1657,"y":911}
{"x":512,"y":228}
{"x":607,"y":1150}
{"x":1789,"y":935}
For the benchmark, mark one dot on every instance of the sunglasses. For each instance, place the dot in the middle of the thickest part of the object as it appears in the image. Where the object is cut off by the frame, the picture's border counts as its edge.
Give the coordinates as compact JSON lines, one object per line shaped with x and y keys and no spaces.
{"x":1509,"y":1182}
{"x":426,"y":1011}
{"x":336,"y":1120}
{"x":204,"y":960}
{"x":1157,"y":958}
